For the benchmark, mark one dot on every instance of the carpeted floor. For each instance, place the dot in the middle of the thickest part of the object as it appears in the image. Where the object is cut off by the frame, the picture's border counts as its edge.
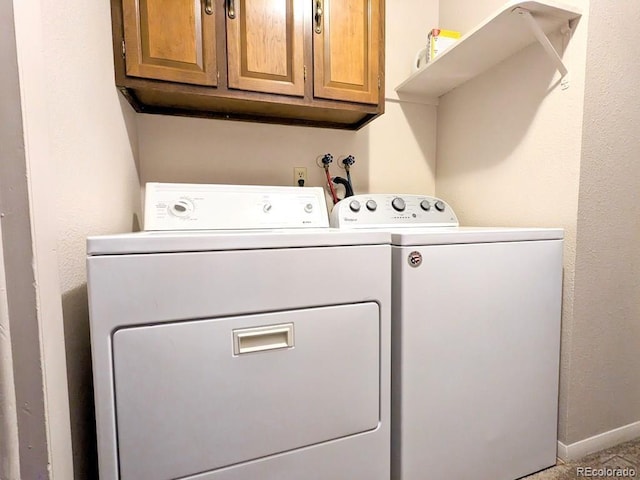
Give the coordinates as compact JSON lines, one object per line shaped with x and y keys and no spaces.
{"x":622,"y":461}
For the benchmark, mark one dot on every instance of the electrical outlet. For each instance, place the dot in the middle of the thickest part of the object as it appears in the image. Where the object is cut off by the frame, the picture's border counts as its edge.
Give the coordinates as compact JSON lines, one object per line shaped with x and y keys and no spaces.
{"x":299,"y":173}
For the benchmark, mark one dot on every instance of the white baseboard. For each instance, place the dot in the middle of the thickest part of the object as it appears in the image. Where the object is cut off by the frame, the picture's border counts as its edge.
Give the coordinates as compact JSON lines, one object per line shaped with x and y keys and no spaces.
{"x":598,"y":442}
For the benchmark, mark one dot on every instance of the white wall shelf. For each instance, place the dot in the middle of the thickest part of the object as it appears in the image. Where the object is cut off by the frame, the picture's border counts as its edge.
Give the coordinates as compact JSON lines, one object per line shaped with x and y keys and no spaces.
{"x":515,"y":26}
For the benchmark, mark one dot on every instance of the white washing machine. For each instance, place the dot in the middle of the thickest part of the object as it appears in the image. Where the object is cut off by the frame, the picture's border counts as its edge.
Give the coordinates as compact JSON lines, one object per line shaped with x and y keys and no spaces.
{"x":241,"y":354}
{"x":475,"y":340}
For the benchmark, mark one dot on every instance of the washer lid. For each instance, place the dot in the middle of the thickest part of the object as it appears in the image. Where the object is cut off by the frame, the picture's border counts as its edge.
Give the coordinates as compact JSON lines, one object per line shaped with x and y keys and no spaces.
{"x":209,"y":240}
{"x":457,"y":235}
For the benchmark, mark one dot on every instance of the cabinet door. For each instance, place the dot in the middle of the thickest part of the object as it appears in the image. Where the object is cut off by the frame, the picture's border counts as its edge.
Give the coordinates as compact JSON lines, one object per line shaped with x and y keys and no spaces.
{"x":347,"y":41}
{"x":170,"y":40}
{"x":265,"y":43}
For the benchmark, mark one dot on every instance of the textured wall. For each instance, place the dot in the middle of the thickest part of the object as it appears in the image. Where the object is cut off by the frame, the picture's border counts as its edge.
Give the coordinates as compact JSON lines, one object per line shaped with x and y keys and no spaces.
{"x":604,"y":386}
{"x":33,"y":288}
{"x":9,"y":440}
{"x":12,"y":145}
{"x":465,"y":16}
{"x":93,"y":185}
{"x":509,"y":147}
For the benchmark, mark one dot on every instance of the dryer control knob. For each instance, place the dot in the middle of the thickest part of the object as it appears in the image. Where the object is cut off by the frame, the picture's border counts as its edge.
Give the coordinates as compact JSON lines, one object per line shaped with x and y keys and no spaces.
{"x":354,"y":205}
{"x":398,"y":204}
{"x":425,"y":205}
{"x":181,"y":208}
{"x":440,"y":206}
{"x":371,"y":205}
{"x":266,"y":208}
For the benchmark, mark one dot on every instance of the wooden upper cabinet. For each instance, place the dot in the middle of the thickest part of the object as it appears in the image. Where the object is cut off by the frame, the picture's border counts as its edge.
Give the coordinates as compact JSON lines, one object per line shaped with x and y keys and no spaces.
{"x":265,"y":46}
{"x":170,"y":40}
{"x":264,"y":58}
{"x":347,"y":43}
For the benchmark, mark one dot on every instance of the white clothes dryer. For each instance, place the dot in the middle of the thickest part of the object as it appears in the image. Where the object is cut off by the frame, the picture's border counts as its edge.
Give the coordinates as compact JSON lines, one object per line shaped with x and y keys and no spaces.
{"x":475,"y":340}
{"x":237,"y":354}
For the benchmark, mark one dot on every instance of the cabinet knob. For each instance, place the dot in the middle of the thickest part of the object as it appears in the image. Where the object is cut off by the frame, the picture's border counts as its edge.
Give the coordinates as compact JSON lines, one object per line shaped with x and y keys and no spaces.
{"x":231,"y":9}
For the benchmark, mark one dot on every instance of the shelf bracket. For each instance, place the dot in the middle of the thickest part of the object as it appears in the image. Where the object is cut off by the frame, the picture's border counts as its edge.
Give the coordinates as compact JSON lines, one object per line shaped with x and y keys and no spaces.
{"x":543,"y":39}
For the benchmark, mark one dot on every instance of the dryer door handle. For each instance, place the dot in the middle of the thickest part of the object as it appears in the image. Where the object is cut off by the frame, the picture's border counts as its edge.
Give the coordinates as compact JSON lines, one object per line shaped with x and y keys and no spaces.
{"x":259,"y":339}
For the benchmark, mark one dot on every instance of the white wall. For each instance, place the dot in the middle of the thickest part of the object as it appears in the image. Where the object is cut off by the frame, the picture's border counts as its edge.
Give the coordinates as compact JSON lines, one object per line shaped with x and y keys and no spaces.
{"x":465,"y":16}
{"x":37,"y":329}
{"x":12,"y":144}
{"x":604,"y":383}
{"x":82,"y":143}
{"x":9,"y":440}
{"x":396,"y":152}
{"x":509,"y":145}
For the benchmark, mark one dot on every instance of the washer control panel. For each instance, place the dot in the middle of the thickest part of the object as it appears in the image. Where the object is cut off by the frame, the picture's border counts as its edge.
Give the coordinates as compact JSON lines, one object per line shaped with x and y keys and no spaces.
{"x":180,"y":206}
{"x":392,"y":210}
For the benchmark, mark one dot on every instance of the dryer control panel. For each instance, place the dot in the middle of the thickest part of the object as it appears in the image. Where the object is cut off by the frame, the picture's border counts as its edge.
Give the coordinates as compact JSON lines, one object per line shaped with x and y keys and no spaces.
{"x":181,"y":206}
{"x":392,"y":210}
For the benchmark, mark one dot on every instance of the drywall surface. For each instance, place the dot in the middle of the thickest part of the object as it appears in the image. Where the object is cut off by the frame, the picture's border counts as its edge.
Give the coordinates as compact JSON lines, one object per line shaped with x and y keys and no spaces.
{"x":9,"y":440}
{"x":390,"y":155}
{"x":83,"y":181}
{"x":400,"y":146}
{"x":402,"y":150}
{"x":395,"y":152}
{"x":408,"y":23}
{"x":509,"y":148}
{"x":463,"y":16}
{"x":604,"y":385}
{"x":12,"y":147}
{"x":28,"y":434}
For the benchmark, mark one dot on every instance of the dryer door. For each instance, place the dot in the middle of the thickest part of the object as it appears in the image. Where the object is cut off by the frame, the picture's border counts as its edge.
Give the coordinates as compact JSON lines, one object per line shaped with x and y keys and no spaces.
{"x":201,"y":395}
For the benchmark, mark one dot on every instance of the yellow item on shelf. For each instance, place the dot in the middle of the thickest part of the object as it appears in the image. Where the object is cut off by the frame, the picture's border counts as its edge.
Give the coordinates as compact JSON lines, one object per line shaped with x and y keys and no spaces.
{"x":439,"y":40}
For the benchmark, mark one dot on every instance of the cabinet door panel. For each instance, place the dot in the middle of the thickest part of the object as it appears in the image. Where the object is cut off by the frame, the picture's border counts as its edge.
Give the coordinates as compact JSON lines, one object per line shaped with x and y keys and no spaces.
{"x":347,"y":49}
{"x":170,"y":40}
{"x":265,"y":42}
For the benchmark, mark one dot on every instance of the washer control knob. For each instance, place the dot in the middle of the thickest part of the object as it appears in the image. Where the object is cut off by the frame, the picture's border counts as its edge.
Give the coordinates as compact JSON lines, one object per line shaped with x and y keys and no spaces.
{"x":425,"y":205}
{"x":354,"y":205}
{"x":308,"y":207}
{"x":266,"y":208}
{"x":371,"y":205}
{"x":398,"y":204}
{"x":440,"y":206}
